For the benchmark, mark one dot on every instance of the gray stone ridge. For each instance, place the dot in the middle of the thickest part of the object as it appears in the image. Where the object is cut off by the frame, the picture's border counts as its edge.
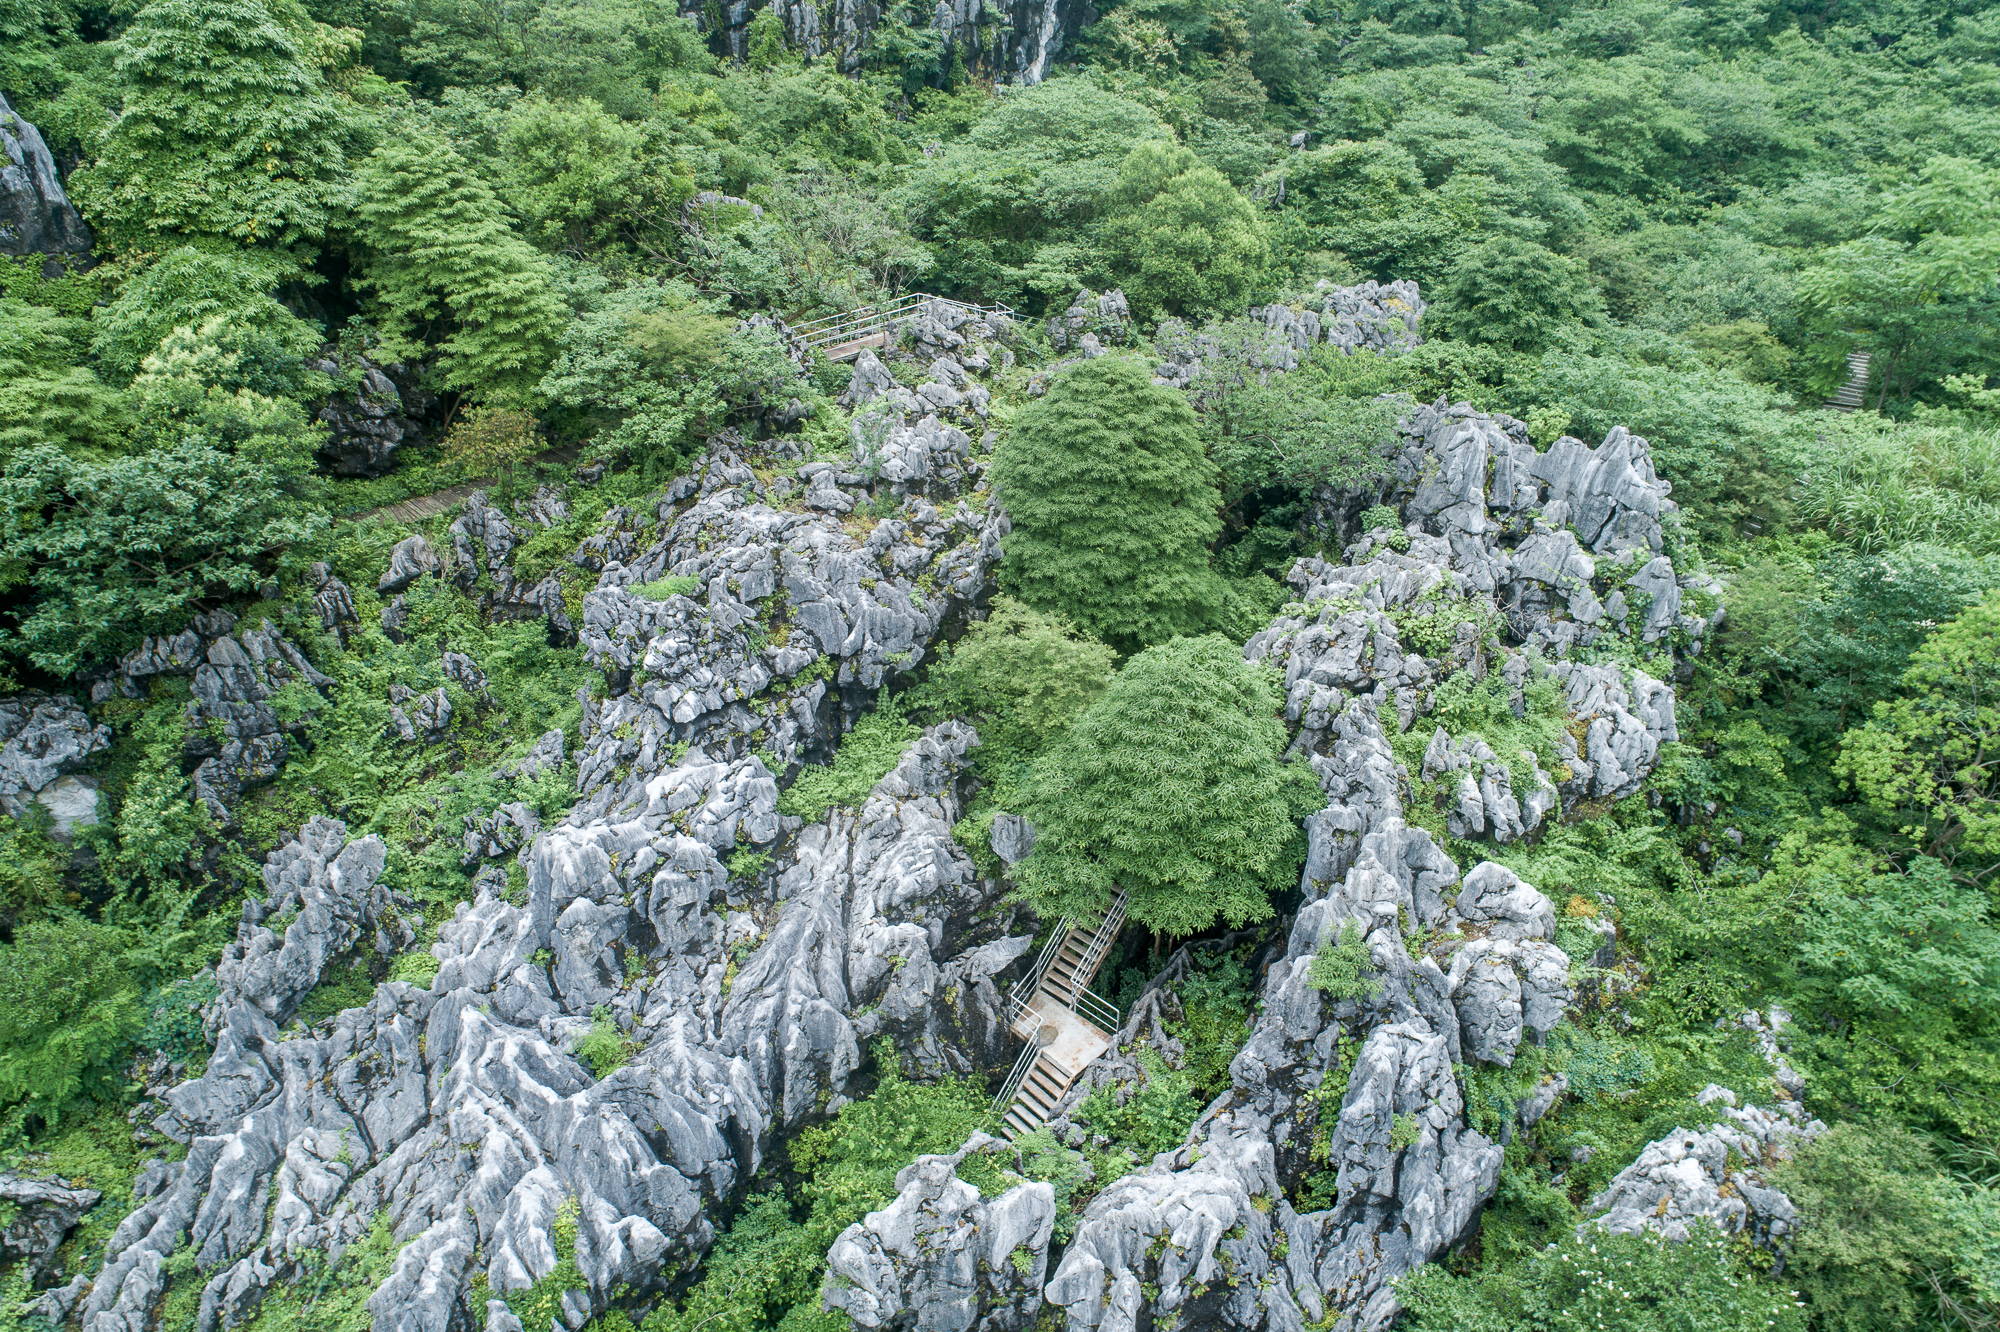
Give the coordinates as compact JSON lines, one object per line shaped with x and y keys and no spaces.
{"x":739,"y":963}
{"x":1715,"y":1175}
{"x":36,"y":217}
{"x":1464,"y":958}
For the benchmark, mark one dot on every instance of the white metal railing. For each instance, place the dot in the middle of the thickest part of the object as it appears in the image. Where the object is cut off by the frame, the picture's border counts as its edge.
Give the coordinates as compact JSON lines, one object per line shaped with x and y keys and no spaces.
{"x":1100,"y":943}
{"x":850,"y":325}
{"x":1019,"y":1074}
{"x":1097,"y":1010}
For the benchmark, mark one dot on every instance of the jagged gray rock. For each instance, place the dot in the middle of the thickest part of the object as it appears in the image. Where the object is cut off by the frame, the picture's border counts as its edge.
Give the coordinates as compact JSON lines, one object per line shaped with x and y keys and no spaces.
{"x":36,"y":217}
{"x":46,"y":737}
{"x":42,"y":1213}
{"x":1466,"y":965}
{"x":940,"y":1259}
{"x":333,"y":599}
{"x":1372,"y":316}
{"x":327,"y":893}
{"x":1716,"y":1174}
{"x":366,"y":426}
{"x":410,"y":560}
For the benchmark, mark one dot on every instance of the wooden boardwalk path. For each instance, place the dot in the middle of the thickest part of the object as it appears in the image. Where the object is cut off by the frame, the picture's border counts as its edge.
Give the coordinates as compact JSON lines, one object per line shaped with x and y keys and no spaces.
{"x":419,"y":507}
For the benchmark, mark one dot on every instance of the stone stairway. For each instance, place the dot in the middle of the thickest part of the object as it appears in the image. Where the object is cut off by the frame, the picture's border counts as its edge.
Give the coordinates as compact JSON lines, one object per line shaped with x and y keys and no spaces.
{"x":1855,"y":391}
{"x":1063,"y":1023}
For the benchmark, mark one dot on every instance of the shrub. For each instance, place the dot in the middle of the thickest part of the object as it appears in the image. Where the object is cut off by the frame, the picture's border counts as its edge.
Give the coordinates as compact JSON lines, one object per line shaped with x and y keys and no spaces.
{"x":1342,"y":968}
{"x":1020,"y":676}
{"x":867,"y":755}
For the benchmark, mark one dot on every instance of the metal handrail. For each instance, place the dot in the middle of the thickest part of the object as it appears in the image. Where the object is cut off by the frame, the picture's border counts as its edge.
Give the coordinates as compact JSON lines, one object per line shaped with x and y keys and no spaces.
{"x":1101,"y":940}
{"x":1028,"y":983}
{"x":1098,"y":1011}
{"x":1029,"y":1054}
{"x":849,"y":324}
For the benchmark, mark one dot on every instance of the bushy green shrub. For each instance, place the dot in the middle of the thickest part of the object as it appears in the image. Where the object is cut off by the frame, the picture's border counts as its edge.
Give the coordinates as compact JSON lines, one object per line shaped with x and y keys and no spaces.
{"x":1113,"y":506}
{"x":1634,"y":1283}
{"x":866,"y":755}
{"x":1020,"y":677}
{"x":1342,"y":968}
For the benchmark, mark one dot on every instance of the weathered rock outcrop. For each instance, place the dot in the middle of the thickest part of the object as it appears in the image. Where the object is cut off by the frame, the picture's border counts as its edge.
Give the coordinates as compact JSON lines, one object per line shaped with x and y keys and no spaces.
{"x":1273,"y":338}
{"x":366,"y":426}
{"x":1716,"y":1174}
{"x":746,"y":964}
{"x":941,"y":1254}
{"x":41,"y":1213}
{"x":43,"y":740}
{"x":1017,"y":42}
{"x":1465,"y":965}
{"x":36,"y":217}
{"x":235,"y":737}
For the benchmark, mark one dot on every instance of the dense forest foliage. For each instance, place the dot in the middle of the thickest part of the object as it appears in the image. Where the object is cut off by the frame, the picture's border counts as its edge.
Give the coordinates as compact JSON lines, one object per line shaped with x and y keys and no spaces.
{"x":551,"y":223}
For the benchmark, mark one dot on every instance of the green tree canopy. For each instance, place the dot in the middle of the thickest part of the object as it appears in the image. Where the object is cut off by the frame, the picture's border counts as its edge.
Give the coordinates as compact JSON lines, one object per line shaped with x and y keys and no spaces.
{"x":1113,"y":506}
{"x":439,"y":255}
{"x":1021,"y":677}
{"x":117,"y":550}
{"x":1515,"y":293}
{"x":1170,"y":787}
{"x":229,"y":129}
{"x":1930,"y":758}
{"x":1183,"y":239}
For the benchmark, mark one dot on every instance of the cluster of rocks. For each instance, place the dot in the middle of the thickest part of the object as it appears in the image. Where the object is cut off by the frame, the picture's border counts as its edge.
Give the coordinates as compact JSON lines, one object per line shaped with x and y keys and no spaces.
{"x":1014,"y":42}
{"x":743,"y":614}
{"x":478,"y":560}
{"x":235,"y":737}
{"x":1272,"y":339}
{"x":367,"y":425}
{"x":36,"y":217}
{"x":460,"y":1110}
{"x":1717,"y":1175}
{"x":1465,"y":966}
{"x":1090,"y":322}
{"x":44,"y":739}
{"x":1372,"y":316}
{"x":744,"y":1002}
{"x":1573,"y":543}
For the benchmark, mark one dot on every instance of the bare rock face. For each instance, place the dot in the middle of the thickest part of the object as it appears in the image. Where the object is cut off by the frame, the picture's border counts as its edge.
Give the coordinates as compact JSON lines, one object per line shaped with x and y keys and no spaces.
{"x":940,"y":1253}
{"x":1715,"y":1174}
{"x":1464,"y":965}
{"x":367,"y":426}
{"x":1013,"y":43}
{"x":41,"y":1214}
{"x":327,"y":894}
{"x":36,"y":217}
{"x":745,"y":964}
{"x":43,"y":739}
{"x":235,"y":738}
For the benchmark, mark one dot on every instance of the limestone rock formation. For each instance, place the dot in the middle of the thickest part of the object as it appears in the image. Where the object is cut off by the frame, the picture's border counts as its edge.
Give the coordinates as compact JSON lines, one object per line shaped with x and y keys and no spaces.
{"x":368,"y":425}
{"x":43,"y":740}
{"x":940,"y":1253}
{"x":36,"y":217}
{"x":40,"y":1215}
{"x":1464,"y":962}
{"x":744,"y":1002}
{"x":1716,"y":1174}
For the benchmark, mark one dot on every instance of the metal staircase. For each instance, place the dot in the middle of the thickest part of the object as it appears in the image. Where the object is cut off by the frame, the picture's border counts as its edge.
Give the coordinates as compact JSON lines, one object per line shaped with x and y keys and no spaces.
{"x":1855,"y":391}
{"x":844,"y":336}
{"x":1064,"y":1024}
